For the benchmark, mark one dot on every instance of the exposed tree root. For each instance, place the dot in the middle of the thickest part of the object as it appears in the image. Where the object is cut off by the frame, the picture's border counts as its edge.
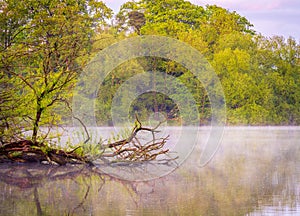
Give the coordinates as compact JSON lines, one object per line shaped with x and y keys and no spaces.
{"x":26,"y":151}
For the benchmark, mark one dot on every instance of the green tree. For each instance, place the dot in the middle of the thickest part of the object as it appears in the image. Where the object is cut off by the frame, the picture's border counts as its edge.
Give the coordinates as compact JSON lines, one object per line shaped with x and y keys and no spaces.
{"x":46,"y":53}
{"x":13,"y":17}
{"x":260,"y":76}
{"x":247,"y":96}
{"x":279,"y":62}
{"x":202,"y":28}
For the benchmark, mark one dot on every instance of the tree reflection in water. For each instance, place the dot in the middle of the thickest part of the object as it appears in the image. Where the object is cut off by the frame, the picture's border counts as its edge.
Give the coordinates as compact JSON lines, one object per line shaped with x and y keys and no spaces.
{"x":243,"y":179}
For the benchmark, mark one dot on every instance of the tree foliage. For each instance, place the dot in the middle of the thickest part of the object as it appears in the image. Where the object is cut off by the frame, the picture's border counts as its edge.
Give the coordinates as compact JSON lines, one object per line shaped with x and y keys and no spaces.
{"x":260,"y":75}
{"x":45,"y":44}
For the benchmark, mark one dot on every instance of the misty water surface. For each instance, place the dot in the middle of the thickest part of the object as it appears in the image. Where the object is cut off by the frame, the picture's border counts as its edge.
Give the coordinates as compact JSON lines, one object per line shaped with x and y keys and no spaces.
{"x":256,"y":171}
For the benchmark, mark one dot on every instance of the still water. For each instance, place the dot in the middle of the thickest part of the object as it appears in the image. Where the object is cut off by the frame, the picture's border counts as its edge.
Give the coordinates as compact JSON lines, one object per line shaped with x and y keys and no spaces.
{"x":256,"y":171}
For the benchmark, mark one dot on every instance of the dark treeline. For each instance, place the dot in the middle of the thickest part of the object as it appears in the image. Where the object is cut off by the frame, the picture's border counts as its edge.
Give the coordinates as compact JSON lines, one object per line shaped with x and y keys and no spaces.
{"x":44,"y":45}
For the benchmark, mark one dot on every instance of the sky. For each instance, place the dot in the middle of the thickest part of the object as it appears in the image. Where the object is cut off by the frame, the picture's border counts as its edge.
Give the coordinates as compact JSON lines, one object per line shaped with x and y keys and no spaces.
{"x":269,"y":17}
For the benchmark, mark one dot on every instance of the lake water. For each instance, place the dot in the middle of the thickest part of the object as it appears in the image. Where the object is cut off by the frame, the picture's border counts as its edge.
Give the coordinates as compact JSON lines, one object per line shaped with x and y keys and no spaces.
{"x":256,"y":171}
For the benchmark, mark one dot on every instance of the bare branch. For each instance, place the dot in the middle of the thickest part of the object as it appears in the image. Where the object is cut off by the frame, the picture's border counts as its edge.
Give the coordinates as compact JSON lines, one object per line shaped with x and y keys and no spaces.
{"x":133,"y":149}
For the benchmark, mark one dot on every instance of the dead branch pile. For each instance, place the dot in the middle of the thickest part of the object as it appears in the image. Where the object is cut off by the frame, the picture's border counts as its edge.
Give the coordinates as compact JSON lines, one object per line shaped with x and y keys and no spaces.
{"x":131,"y":149}
{"x":135,"y":149}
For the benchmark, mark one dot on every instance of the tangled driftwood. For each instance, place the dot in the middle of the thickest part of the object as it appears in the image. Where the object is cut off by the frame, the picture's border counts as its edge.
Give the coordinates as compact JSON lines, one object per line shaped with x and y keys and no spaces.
{"x":135,"y":149}
{"x":130,"y":149}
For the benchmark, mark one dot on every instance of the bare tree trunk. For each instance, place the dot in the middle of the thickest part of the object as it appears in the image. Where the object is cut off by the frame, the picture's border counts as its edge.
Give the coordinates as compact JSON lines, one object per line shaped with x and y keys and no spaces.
{"x":39,"y":111}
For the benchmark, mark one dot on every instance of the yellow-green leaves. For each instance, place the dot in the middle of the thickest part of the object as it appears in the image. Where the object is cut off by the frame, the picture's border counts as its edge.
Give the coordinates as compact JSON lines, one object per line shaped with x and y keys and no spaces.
{"x":41,"y":49}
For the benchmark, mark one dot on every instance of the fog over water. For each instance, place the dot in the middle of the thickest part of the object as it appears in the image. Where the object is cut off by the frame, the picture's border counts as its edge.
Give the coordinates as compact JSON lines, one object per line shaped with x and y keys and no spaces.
{"x":256,"y":171}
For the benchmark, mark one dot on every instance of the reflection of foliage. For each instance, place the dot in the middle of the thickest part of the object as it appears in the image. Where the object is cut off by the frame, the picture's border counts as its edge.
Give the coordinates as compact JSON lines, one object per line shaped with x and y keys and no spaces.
{"x":28,"y":177}
{"x":235,"y":183}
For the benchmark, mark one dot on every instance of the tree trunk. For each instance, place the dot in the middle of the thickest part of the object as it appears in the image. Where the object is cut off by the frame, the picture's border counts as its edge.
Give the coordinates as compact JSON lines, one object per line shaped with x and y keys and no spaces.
{"x":39,"y":111}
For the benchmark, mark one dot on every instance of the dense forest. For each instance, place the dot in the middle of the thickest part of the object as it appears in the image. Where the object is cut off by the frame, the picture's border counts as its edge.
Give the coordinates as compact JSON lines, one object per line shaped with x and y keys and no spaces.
{"x":45,"y":45}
